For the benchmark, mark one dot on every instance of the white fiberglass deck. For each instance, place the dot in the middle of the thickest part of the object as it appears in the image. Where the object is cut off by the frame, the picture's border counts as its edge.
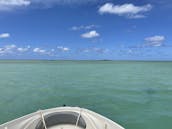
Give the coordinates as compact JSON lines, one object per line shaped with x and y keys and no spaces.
{"x":62,"y":118}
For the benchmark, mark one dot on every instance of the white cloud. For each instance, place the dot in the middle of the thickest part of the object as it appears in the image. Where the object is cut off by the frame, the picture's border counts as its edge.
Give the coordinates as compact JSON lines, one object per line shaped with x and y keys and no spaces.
{"x":61,"y":48}
{"x":23,"y":49}
{"x":8,"y":49}
{"x":90,"y":34}
{"x":155,"y":41}
{"x":39,"y":50}
{"x":82,"y":27}
{"x":6,"y":5}
{"x":127,"y":10}
{"x":4,"y":35}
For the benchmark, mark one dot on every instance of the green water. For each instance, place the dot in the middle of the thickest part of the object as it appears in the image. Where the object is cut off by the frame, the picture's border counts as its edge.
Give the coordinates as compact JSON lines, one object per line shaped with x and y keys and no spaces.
{"x":137,"y":95}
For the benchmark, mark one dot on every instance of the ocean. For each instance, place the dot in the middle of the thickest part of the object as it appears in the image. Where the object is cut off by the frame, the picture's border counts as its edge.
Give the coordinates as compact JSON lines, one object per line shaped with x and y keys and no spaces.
{"x":135,"y":94}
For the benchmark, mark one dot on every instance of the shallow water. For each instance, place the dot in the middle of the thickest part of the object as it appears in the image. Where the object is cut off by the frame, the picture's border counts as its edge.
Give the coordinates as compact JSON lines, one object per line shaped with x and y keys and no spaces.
{"x":137,"y":95}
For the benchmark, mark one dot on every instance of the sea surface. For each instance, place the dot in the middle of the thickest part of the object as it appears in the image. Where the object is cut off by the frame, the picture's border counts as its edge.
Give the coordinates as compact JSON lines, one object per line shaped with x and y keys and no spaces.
{"x":137,"y":95}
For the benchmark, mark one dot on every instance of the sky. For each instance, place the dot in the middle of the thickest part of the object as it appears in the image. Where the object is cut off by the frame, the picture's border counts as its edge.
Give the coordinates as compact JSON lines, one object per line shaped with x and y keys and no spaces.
{"x":86,"y":29}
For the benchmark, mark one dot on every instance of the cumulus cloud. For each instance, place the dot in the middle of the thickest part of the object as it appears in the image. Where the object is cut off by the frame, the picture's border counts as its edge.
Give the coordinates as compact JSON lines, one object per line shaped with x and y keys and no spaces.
{"x":127,"y":10}
{"x":39,"y":50}
{"x":64,"y":49}
{"x":4,"y":35}
{"x":6,"y":5}
{"x":23,"y":49}
{"x":155,"y":41}
{"x":90,"y":34}
{"x":82,"y":27}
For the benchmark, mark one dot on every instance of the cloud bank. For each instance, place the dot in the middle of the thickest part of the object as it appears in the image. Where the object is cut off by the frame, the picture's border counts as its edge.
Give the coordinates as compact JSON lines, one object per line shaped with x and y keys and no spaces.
{"x":8,"y":49}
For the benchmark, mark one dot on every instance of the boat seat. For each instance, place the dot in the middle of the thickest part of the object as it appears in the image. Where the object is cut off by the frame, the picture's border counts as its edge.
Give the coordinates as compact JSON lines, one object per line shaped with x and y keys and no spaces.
{"x":60,"y":118}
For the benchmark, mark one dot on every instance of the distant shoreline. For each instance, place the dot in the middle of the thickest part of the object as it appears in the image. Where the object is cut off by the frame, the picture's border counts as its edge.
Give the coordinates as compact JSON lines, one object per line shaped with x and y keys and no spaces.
{"x":86,"y":60}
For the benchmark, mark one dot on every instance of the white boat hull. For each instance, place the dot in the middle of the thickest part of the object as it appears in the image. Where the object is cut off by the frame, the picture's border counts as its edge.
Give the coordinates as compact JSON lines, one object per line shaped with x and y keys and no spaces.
{"x":39,"y":120}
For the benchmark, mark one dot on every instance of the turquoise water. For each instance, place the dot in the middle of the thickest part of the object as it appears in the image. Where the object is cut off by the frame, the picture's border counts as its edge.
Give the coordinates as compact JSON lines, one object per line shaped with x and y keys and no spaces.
{"x":137,"y":95}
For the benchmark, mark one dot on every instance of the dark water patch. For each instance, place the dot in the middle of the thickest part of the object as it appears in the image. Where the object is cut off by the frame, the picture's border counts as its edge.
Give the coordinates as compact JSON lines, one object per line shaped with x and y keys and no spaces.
{"x":150,"y":91}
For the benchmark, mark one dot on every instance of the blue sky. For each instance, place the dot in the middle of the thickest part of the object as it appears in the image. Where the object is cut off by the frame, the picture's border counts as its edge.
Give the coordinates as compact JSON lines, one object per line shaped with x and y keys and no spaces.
{"x":88,"y":29}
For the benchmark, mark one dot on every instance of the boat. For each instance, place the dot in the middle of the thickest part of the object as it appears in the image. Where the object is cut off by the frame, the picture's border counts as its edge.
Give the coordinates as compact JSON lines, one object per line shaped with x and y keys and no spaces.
{"x":62,"y":118}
